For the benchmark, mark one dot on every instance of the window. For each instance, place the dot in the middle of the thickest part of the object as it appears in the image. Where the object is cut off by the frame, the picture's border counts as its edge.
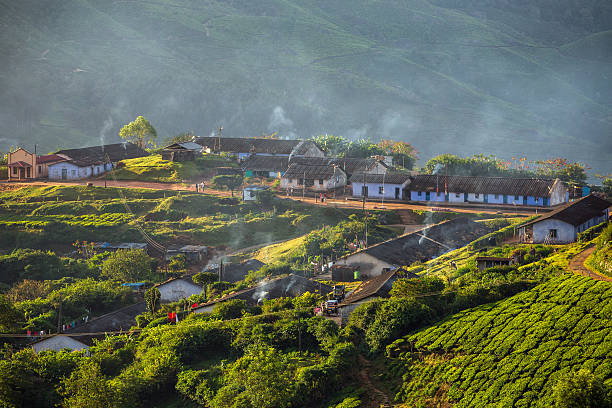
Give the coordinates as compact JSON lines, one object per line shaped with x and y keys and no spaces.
{"x":300,"y":182}
{"x":552,"y":234}
{"x":321,"y":181}
{"x":381,"y":190}
{"x":476,"y":195}
{"x":39,"y":169}
{"x":516,"y":197}
{"x":15,"y":170}
{"x":457,"y":195}
{"x":496,"y":196}
{"x":73,"y":172}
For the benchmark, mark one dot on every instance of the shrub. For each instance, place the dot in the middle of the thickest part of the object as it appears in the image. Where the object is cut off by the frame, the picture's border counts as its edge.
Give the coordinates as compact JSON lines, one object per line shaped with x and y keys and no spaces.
{"x":581,"y":390}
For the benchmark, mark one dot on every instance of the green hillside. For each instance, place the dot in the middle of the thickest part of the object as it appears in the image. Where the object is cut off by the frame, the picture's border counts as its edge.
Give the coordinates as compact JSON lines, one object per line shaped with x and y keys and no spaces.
{"x":513,"y":352}
{"x":443,"y":75}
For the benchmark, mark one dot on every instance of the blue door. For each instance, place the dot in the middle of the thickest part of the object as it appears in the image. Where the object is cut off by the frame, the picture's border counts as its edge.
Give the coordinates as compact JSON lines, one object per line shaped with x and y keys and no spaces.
{"x":505,"y":199}
{"x":465,"y":197}
{"x":427,"y":196}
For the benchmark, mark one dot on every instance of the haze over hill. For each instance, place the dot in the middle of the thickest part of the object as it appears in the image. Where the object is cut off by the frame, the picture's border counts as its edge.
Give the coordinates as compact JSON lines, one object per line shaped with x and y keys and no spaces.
{"x":462,"y":76}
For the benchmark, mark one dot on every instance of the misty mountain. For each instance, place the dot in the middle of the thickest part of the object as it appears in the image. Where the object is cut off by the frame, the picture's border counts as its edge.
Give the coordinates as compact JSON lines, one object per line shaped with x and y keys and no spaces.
{"x":510,"y":77}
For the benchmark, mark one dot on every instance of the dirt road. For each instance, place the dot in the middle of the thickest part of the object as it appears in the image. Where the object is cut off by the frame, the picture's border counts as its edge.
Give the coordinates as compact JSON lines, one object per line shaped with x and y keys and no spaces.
{"x":340,"y":203}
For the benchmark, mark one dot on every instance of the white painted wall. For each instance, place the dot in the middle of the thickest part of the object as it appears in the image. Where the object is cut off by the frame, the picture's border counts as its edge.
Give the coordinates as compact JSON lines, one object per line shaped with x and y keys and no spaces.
{"x":565,"y":232}
{"x":374,"y":188}
{"x":178,"y":289}
{"x":58,"y":343}
{"x":455,"y":197}
{"x":338,"y":180}
{"x":558,"y":194}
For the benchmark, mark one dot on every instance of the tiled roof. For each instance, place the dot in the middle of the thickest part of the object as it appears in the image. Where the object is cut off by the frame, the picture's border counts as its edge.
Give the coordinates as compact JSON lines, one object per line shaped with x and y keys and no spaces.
{"x":427,"y":243}
{"x":387,"y":178}
{"x":300,"y":171}
{"x":265,"y":163}
{"x":577,"y":212}
{"x":350,"y":165}
{"x":184,"y":146}
{"x":483,"y":185}
{"x":87,"y":156}
{"x":378,"y":286}
{"x":248,"y":145}
{"x":49,"y":158}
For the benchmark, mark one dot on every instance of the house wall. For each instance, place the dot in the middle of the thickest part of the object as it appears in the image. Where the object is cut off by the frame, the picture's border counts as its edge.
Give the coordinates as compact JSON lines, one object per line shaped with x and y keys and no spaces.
{"x":338,"y":180}
{"x":58,"y":343}
{"x":594,"y":221}
{"x":75,"y":172}
{"x":24,"y":156}
{"x":373,"y":190}
{"x":313,"y":151}
{"x":565,"y":232}
{"x":495,"y":198}
{"x":369,"y":266}
{"x":559,"y":193}
{"x":536,"y":201}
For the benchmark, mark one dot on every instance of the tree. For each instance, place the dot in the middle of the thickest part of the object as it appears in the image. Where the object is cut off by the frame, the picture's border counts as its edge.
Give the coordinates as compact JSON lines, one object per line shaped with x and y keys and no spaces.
{"x":128,"y":265}
{"x":607,"y":186}
{"x":228,"y":181}
{"x":332,"y":145}
{"x":177,"y":263}
{"x":204,"y":279}
{"x":265,"y":198}
{"x":139,"y":132}
{"x":10,"y":318}
{"x":404,"y":154}
{"x":581,"y":390}
{"x":27,"y":289}
{"x":87,"y":388}
{"x":152,"y":297}
{"x":416,"y":286}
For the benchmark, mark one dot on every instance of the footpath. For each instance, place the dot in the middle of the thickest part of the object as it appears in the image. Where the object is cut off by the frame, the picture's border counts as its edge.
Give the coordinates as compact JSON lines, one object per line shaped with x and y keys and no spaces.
{"x":577,"y":266}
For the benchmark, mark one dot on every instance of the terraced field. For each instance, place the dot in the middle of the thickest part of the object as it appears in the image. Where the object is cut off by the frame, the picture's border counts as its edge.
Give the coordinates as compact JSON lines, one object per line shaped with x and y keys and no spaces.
{"x":510,"y":353}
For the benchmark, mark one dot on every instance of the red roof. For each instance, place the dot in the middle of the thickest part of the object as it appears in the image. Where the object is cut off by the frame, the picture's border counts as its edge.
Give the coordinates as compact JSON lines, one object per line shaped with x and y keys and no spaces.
{"x":20,"y":164}
{"x":49,"y":158}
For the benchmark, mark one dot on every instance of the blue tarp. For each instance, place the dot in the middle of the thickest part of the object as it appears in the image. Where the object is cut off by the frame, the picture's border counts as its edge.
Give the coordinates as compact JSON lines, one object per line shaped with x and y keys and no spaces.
{"x":134,"y":284}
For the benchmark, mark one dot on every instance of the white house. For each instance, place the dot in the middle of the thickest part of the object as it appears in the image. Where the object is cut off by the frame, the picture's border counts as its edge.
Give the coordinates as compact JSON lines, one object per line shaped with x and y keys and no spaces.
{"x":249,"y":193}
{"x":565,"y":223}
{"x":58,"y":342}
{"x":92,"y":161}
{"x":314,"y":178}
{"x":491,"y":190}
{"x":176,"y":289}
{"x":388,"y":185}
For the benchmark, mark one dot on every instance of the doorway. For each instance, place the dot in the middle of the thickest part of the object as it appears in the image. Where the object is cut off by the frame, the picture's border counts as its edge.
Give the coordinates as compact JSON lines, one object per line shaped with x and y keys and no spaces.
{"x":397,"y":193}
{"x":64,"y":174}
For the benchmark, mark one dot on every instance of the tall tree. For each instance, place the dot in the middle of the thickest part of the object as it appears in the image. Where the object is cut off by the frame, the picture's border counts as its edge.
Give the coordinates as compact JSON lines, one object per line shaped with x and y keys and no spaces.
{"x":128,"y":266}
{"x":228,"y":181}
{"x":139,"y":132}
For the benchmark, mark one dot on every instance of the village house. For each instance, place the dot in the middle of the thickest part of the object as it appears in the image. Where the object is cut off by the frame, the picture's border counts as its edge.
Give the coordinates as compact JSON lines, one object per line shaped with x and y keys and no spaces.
{"x":265,"y":166}
{"x":563,"y":225}
{"x":375,"y":288}
{"x":23,"y":165}
{"x":491,"y":190}
{"x":388,"y":185}
{"x":318,"y":178}
{"x":194,"y":254}
{"x":243,"y":147}
{"x":92,"y":161}
{"x":284,"y":286}
{"x":181,"y":152}
{"x":349,"y":165}
{"x":81,"y":336}
{"x":421,"y":245}
{"x":176,"y":289}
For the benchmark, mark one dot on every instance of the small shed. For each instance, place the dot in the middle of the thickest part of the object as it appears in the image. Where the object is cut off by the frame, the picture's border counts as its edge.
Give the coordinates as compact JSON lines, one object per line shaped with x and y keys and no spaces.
{"x":249,"y":193}
{"x":181,"y":152}
{"x":194,"y":254}
{"x":485,"y":262}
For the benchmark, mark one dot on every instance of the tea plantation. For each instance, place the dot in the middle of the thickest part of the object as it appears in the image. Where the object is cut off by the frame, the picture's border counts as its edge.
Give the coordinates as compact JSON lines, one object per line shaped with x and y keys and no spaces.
{"x":510,"y":353}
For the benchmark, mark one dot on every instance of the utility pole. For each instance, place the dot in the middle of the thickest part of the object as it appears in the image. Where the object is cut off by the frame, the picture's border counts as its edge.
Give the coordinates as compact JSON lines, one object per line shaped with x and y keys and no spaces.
{"x":220,"y":129}
{"x":363,"y":192}
{"x":382,"y":200}
{"x":304,"y":186}
{"x":59,"y":317}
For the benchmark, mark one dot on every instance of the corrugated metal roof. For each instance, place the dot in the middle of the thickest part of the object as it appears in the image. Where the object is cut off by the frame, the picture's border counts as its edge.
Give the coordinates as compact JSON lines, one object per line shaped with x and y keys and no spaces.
{"x":265,"y":163}
{"x":576,"y":212}
{"x":248,"y":145}
{"x":299,"y":171}
{"x":380,"y":286}
{"x":483,"y":185}
{"x":427,"y":243}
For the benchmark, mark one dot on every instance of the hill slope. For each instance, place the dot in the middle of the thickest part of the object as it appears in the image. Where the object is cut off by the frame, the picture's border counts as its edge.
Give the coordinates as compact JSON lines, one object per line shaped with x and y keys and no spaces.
{"x":444,"y":76}
{"x":512,"y":353}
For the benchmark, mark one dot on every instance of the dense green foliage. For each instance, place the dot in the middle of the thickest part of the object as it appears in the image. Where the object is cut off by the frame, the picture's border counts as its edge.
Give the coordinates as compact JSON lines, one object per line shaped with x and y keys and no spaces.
{"x":23,"y":264}
{"x":128,"y":266}
{"x":582,"y":390}
{"x":50,"y":216}
{"x":513,"y":352}
{"x":231,"y":181}
{"x":601,"y":259}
